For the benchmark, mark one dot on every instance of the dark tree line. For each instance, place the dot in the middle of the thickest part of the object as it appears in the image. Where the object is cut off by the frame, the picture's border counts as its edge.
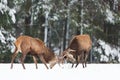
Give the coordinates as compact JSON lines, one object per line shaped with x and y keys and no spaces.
{"x":57,"y":21}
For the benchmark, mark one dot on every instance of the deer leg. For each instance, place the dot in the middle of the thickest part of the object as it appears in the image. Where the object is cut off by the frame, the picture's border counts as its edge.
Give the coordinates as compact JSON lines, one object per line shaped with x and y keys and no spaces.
{"x":22,"y":60}
{"x":78,"y":60}
{"x":35,"y":61}
{"x":72,"y":65}
{"x":43,"y":60}
{"x":83,"y":58}
{"x":86,"y":56}
{"x":13,"y":57}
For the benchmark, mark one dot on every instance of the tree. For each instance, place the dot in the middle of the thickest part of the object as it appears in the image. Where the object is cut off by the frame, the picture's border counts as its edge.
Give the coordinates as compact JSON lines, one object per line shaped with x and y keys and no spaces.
{"x":7,"y":16}
{"x":56,"y":22}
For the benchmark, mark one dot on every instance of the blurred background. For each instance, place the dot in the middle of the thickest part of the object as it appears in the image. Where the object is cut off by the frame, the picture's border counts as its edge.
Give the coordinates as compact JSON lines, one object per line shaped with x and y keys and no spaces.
{"x":57,"y":21}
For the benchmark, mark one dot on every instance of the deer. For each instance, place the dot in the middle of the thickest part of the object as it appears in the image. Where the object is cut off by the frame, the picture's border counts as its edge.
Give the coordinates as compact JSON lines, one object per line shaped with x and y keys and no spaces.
{"x":35,"y":47}
{"x":79,"y":49}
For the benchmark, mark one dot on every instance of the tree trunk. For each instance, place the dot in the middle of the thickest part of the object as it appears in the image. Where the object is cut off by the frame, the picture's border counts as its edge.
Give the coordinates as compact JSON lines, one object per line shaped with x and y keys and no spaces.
{"x":46,"y":27}
{"x":66,"y":29}
{"x":64,"y":37}
{"x":27,"y":24}
{"x":81,"y":31}
{"x":27,"y":17}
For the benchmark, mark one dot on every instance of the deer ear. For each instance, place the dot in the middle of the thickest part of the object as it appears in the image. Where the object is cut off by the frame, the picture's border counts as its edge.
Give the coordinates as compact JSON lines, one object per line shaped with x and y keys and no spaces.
{"x":71,"y":50}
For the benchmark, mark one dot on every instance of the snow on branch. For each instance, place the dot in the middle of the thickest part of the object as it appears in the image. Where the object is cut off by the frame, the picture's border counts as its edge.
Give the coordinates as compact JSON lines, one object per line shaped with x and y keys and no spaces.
{"x":106,"y":50}
{"x":7,"y":39}
{"x":4,"y":8}
{"x":110,"y":16}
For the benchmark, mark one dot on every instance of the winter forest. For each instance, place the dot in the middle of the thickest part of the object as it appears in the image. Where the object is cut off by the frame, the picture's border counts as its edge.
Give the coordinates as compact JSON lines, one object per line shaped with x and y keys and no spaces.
{"x":56,"y":21}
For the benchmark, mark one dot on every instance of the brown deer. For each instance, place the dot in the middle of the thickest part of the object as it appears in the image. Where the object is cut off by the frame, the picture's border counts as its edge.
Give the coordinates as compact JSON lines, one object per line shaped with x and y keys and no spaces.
{"x":35,"y":47}
{"x":79,"y":48}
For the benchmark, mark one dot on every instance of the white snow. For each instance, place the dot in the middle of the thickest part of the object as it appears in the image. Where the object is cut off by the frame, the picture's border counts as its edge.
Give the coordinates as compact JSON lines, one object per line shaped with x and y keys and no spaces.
{"x":54,"y":18}
{"x":4,"y":2}
{"x":109,"y":16}
{"x":11,"y":46}
{"x":91,"y":72}
{"x":115,"y":4}
{"x":109,"y":50}
{"x":12,"y":14}
{"x":73,"y":1}
{"x":104,"y":58}
{"x":2,"y":38}
{"x":8,"y":40}
{"x":4,"y":8}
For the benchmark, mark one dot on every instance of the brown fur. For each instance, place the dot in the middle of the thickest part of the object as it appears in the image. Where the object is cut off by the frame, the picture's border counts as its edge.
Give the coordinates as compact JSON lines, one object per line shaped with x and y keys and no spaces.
{"x":36,"y":48}
{"x":82,"y":45}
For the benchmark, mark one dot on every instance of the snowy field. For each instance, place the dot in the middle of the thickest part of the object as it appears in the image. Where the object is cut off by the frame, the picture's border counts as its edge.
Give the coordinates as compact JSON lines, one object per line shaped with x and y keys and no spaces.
{"x":65,"y":72}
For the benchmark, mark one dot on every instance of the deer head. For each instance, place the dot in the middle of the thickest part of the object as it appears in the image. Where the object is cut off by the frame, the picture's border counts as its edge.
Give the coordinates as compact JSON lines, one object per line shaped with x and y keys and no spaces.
{"x":68,"y":56}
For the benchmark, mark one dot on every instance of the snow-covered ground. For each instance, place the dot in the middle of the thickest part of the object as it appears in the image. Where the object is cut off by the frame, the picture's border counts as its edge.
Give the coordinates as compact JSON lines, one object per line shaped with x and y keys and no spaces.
{"x":92,"y":72}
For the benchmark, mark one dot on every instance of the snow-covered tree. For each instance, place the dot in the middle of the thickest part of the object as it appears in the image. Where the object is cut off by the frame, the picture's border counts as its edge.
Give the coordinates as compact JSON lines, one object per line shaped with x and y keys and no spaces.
{"x":7,"y":16}
{"x":57,"y":21}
